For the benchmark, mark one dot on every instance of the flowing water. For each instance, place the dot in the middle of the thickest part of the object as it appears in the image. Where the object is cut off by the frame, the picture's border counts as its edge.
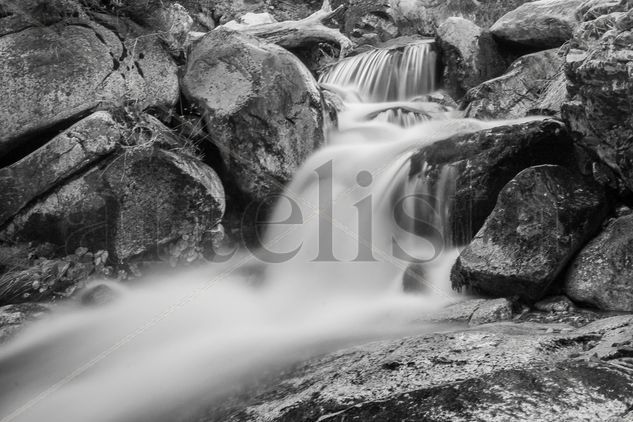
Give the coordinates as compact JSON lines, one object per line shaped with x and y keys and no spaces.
{"x":170,"y":343}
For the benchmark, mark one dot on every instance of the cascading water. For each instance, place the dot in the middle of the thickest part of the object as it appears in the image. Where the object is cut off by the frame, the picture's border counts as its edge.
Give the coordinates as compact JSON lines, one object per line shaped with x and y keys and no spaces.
{"x":169,"y":344}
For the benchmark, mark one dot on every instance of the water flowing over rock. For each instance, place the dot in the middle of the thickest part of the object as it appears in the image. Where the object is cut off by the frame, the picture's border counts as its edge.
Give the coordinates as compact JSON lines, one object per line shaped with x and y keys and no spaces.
{"x":542,"y":218}
{"x":540,"y":24}
{"x":73,"y":150}
{"x":388,"y":74}
{"x":63,"y":69}
{"x":469,"y":56}
{"x":524,"y":88}
{"x":602,"y":274}
{"x":140,"y":201}
{"x":262,"y":108}
{"x":483,"y":162}
{"x":600,"y":108}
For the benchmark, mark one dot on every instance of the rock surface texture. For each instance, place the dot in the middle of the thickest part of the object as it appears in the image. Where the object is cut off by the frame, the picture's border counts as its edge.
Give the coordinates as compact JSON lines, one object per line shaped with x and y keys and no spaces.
{"x":602,"y":273}
{"x":469,"y":56}
{"x":600,"y":110}
{"x":132,"y":204}
{"x":521,"y":90}
{"x":542,"y":218}
{"x":493,"y":373}
{"x":58,"y":66}
{"x":539,"y":24}
{"x":262,"y":108}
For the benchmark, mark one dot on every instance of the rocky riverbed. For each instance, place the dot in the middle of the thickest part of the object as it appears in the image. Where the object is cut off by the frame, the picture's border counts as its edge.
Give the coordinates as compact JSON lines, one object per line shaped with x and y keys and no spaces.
{"x":144,"y":138}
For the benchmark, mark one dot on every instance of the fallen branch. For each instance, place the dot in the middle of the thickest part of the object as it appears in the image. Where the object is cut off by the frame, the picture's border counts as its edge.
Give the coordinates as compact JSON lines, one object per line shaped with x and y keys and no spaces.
{"x":302,"y":33}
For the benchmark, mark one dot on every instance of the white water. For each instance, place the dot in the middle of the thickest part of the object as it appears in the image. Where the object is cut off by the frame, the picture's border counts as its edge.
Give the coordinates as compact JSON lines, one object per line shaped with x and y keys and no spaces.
{"x":171,"y":344}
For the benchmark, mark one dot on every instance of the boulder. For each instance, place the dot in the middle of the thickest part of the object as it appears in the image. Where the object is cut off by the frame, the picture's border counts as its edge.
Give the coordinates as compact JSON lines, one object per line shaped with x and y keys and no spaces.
{"x":69,"y":152}
{"x":262,"y":107}
{"x":542,"y":218}
{"x":602,"y":273}
{"x":58,"y":71}
{"x":489,"y":373}
{"x":539,"y":24}
{"x":14,"y":317}
{"x":528,"y":82}
{"x":600,"y":111}
{"x":469,"y":56}
{"x":424,"y":16}
{"x":144,"y":201}
{"x":484,"y":162}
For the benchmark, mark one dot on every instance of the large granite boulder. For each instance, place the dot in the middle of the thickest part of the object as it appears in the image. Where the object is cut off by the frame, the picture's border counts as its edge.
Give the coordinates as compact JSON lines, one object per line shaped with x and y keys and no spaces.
{"x":56,"y":65}
{"x":144,"y":201}
{"x":602,"y":273}
{"x":70,"y":152}
{"x":542,"y":219}
{"x":483,"y":162}
{"x":469,"y":56}
{"x":600,"y":110}
{"x":262,"y":107}
{"x":539,"y":24}
{"x":520,"y":90}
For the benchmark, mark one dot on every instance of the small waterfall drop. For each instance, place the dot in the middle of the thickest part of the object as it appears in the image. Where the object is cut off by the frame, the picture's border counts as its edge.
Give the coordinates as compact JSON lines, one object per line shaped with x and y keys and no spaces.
{"x":173,"y":344}
{"x":389,"y":74}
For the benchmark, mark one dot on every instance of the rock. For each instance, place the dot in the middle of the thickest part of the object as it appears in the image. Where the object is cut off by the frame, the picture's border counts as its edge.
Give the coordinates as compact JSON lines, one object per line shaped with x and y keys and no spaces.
{"x":142,"y":201}
{"x":485,"y":373}
{"x":542,"y":218}
{"x":484,"y":162}
{"x":602,"y":273}
{"x":554,"y":304}
{"x":492,"y":311}
{"x":520,"y":90}
{"x":469,"y":55}
{"x":592,"y":9}
{"x":13,"y":317}
{"x":261,"y":105}
{"x":52,"y":75}
{"x":539,"y":24}
{"x":69,"y":152}
{"x":99,"y":294}
{"x":423,"y":17}
{"x":600,"y":111}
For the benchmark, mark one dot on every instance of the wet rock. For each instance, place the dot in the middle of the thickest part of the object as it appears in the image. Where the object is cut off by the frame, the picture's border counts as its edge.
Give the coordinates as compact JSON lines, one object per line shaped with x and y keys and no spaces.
{"x":600,"y":109}
{"x":542,"y":218}
{"x":69,"y":152}
{"x":13,"y":317}
{"x":492,"y":311}
{"x":138,"y":202}
{"x":98,"y":294}
{"x":602,"y":273}
{"x":58,"y":71}
{"x":554,"y":304}
{"x":469,"y":55}
{"x":539,"y":24}
{"x":484,"y":373}
{"x":484,"y":162}
{"x":520,"y":90}
{"x":262,"y":108}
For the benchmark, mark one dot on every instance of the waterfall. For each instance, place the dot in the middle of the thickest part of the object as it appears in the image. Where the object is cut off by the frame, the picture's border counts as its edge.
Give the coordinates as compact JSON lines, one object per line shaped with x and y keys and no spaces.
{"x":173,"y":344}
{"x":391,"y":74}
